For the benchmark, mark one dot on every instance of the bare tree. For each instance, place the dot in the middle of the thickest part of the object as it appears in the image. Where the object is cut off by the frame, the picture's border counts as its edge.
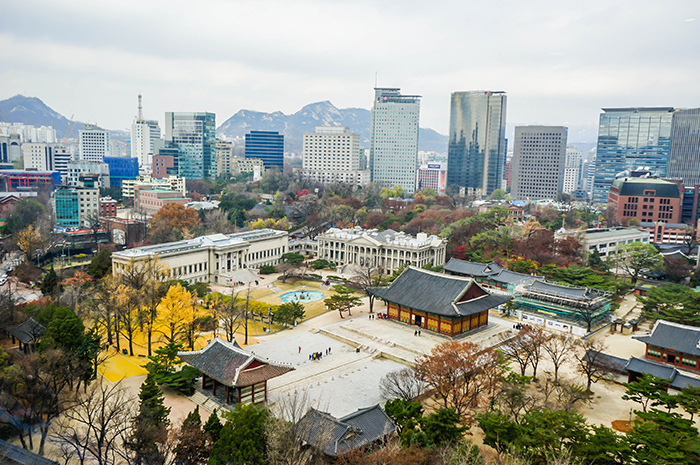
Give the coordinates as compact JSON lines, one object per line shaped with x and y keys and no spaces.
{"x":514,"y":351}
{"x":535,"y":339}
{"x":559,"y":348}
{"x":95,"y":428}
{"x":370,"y":276}
{"x":233,"y":315}
{"x":592,"y":362}
{"x":285,"y":431}
{"x":403,"y":384}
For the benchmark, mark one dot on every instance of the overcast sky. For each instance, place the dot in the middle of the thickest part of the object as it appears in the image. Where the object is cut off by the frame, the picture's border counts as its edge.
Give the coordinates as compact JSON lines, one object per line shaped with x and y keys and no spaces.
{"x":559,"y":61}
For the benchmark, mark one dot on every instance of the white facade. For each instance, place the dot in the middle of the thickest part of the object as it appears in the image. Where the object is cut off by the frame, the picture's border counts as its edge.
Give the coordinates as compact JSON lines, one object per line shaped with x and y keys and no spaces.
{"x":332,"y":154}
{"x":61,"y":156}
{"x":213,"y":259}
{"x":394,"y":139}
{"x":78,"y":168}
{"x":29,"y":133}
{"x":93,"y":143}
{"x":388,"y":249}
{"x":224,"y":154}
{"x":605,"y":240}
{"x":432,"y":175}
{"x":174,"y":183}
{"x":38,"y":156}
{"x":572,"y":170}
{"x":539,"y":157}
{"x":144,"y":133}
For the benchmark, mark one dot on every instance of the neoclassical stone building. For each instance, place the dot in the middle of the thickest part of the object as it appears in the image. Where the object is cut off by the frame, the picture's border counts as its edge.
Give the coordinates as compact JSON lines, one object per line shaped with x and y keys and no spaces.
{"x":387,"y":249}
{"x":215,"y":258}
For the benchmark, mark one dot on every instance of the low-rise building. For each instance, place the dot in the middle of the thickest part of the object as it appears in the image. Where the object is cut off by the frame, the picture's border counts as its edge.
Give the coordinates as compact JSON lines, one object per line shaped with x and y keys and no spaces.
{"x":216,"y":258}
{"x":108,"y":206}
{"x":490,"y":274}
{"x":673,"y":344}
{"x":124,"y":231}
{"x":433,"y":176}
{"x":667,"y":233}
{"x":78,"y":168}
{"x":76,"y":206}
{"x":605,"y":240}
{"x":168,"y":182}
{"x":148,"y":200}
{"x":13,"y":179}
{"x":387,"y":250}
{"x":121,"y":168}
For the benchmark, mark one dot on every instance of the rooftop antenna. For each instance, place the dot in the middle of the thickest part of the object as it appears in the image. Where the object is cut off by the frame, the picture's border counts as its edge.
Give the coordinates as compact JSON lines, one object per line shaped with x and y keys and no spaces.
{"x":140,"y":108}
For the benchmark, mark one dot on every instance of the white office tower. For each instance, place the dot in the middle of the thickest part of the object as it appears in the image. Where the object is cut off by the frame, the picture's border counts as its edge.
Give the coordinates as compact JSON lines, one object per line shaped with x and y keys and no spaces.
{"x":143,"y":134}
{"x":393,"y":156}
{"x":93,"y":143}
{"x":539,"y":157}
{"x":61,"y":156}
{"x":332,"y":154}
{"x":572,"y":170}
{"x":38,"y":156}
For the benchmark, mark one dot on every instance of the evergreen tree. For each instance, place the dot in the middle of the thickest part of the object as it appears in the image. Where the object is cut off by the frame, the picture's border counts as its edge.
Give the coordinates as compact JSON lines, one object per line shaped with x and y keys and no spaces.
{"x":213,"y":427}
{"x":242,"y":440}
{"x":100,"y":264}
{"x":49,"y":282}
{"x":192,"y":448}
{"x":150,"y":429}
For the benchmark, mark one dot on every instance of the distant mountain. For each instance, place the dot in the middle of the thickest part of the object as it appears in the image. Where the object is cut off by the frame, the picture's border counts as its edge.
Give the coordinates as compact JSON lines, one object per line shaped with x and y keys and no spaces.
{"x":31,"y":110}
{"x":316,"y":114}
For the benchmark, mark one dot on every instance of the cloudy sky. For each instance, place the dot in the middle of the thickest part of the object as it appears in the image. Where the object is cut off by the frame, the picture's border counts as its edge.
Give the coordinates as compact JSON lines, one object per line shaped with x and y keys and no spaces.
{"x":559,"y":61}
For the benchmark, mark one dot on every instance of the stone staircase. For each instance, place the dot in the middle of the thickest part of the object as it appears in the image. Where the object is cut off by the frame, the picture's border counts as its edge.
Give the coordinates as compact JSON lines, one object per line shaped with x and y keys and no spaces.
{"x":207,"y":403}
{"x":372,"y":344}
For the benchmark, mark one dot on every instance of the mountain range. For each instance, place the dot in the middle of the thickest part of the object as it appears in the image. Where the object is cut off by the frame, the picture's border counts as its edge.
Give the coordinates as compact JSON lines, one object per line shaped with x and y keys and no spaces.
{"x":316,"y":114}
{"x":31,"y":110}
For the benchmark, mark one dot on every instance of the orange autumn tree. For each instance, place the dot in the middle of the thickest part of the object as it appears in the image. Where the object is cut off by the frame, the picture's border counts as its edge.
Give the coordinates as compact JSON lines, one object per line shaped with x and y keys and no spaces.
{"x":461,"y":375}
{"x":173,"y":222}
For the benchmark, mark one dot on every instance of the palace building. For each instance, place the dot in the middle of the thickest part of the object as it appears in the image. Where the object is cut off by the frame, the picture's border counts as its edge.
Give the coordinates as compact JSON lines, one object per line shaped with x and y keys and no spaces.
{"x":241,"y":375}
{"x":673,"y":344}
{"x":443,"y":304}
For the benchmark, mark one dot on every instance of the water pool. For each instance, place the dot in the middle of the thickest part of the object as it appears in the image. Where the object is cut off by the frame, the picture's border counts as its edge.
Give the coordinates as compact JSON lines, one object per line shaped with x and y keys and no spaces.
{"x":301,"y":296}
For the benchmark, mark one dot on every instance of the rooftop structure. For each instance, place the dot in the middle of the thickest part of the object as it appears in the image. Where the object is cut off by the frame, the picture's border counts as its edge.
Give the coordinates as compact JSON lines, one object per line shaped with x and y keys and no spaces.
{"x":605,"y":240}
{"x":674,"y":344}
{"x":489,"y":274}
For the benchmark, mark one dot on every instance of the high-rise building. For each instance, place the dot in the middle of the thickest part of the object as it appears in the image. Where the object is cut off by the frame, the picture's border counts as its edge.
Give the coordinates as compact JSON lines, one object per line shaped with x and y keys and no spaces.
{"x":121,"y":168}
{"x":143,"y":134}
{"x":224,"y":153}
{"x":267,"y":146}
{"x":539,"y":156}
{"x":93,"y":143}
{"x":38,"y":156}
{"x":194,"y":134}
{"x":62,"y":155}
{"x":476,"y":154}
{"x":572,"y":169}
{"x":393,"y":143}
{"x":79,"y":168}
{"x":332,"y":154}
{"x":628,"y":139}
{"x":10,"y":148}
{"x":684,"y":158}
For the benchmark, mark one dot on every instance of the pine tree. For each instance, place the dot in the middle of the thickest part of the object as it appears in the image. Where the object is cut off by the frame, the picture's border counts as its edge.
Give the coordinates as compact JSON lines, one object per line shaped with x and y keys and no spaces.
{"x":150,"y":432}
{"x":192,"y":448}
{"x":213,"y":427}
{"x":49,"y":282}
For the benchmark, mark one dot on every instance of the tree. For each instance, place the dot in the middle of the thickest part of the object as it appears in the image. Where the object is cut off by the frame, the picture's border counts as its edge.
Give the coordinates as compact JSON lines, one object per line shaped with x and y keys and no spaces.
{"x":677,"y":268}
{"x":637,"y":258}
{"x":292,"y":263}
{"x":101,"y":264}
{"x":289,"y":312}
{"x":233,"y":315}
{"x":405,"y":413}
{"x":441,"y":427}
{"x":498,"y":194}
{"x":689,"y":400}
{"x":343,"y":300}
{"x":664,"y":438}
{"x":559,"y":348}
{"x":173,"y":311}
{"x":648,"y":390}
{"x":690,"y":240}
{"x":461,"y":374}
{"x":534,"y":339}
{"x":49,"y":283}
{"x":673,"y":302}
{"x":24,"y":213}
{"x":592,"y":362}
{"x":596,"y":262}
{"x":128,"y":304}
{"x":149,"y":435}
{"x":191,"y":441}
{"x":514,"y":350}
{"x":370,"y":276}
{"x":64,"y":331}
{"x":242,"y":440}
{"x":28,"y":241}
{"x":94,"y":429}
{"x":213,"y":427}
{"x":173,"y":222}
{"x":402,"y":384}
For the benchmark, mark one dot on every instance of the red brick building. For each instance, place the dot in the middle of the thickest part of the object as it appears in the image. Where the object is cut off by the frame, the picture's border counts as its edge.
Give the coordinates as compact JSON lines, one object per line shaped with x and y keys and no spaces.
{"x":647,"y":199}
{"x":108,"y":206}
{"x":149,"y":200}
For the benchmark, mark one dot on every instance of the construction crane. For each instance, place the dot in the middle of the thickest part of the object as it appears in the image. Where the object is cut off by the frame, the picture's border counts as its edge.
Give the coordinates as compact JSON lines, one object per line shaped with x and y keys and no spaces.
{"x":69,"y":130}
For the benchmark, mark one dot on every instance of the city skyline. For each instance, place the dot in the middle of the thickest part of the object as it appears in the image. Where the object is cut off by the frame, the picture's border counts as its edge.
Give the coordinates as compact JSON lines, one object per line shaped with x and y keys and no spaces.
{"x":561,"y":74}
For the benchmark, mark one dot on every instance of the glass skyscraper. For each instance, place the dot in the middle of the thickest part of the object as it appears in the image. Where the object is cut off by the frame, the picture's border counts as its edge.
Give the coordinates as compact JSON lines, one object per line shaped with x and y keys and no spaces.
{"x":629,"y":138}
{"x":393,"y":143}
{"x":476,"y":154}
{"x":194,"y":135}
{"x":684,"y":160}
{"x":266,"y":145}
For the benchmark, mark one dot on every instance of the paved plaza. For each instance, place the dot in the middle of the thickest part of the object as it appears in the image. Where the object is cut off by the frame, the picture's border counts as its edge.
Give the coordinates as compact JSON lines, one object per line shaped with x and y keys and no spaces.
{"x":347,"y":380}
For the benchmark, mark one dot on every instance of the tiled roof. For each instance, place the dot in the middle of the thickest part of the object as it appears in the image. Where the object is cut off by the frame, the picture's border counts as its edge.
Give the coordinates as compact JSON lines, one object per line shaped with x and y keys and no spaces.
{"x":27,"y":331}
{"x":471,"y":268}
{"x":336,"y":436}
{"x":673,"y":336}
{"x":676,"y":379}
{"x":11,"y":454}
{"x":556,"y":290}
{"x":508,"y":277}
{"x":435,"y":293}
{"x":227,"y":363}
{"x":609,"y":362}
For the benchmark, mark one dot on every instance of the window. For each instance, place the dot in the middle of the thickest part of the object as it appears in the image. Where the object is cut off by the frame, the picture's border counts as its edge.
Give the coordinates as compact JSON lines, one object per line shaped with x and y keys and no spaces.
{"x":653,"y":353}
{"x":690,"y":362}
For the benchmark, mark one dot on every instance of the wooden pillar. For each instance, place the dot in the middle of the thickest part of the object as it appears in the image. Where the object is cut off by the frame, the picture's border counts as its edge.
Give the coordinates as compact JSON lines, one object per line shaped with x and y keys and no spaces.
{"x":452,"y":328}
{"x":213,"y":387}
{"x":227,"y":395}
{"x":265,"y":390}
{"x":204,"y":379}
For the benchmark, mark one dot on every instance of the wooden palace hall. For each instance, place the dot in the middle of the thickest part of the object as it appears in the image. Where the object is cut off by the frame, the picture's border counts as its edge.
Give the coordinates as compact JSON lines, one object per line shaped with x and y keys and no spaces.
{"x":444,"y":304}
{"x":240,"y":376}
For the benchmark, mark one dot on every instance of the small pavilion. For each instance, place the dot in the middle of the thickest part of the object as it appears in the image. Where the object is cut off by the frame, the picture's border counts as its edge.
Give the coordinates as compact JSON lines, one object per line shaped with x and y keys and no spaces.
{"x":27,"y":334}
{"x":241,"y":375}
{"x":444,"y":304}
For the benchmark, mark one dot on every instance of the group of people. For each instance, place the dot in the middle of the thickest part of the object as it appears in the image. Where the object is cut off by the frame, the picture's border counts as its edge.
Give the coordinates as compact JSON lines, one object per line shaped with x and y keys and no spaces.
{"x":380,"y":315}
{"x":416,"y":332}
{"x":318,"y":355}
{"x":520,"y":326}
